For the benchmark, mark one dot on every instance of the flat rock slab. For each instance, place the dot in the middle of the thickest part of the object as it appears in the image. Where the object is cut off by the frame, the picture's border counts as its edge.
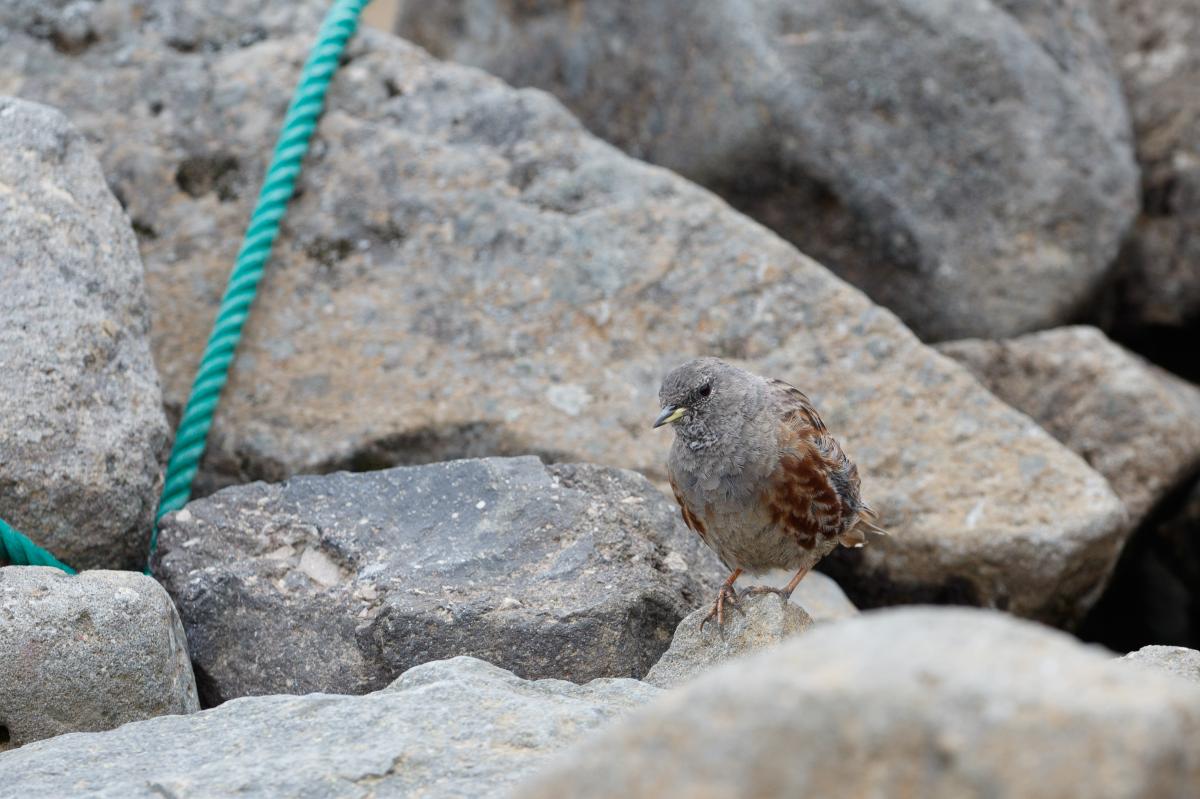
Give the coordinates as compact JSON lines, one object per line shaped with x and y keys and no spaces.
{"x":81,"y":420}
{"x":85,"y":653}
{"x":938,"y":703}
{"x":755,"y":623}
{"x":1136,"y":424}
{"x":342,"y":582}
{"x":456,"y":728}
{"x":968,"y":165}
{"x":467,"y":271}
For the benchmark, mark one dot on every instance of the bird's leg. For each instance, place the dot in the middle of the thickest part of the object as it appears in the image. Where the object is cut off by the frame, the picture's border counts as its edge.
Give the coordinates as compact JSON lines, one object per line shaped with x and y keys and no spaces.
{"x":726,"y":594}
{"x":785,"y":592}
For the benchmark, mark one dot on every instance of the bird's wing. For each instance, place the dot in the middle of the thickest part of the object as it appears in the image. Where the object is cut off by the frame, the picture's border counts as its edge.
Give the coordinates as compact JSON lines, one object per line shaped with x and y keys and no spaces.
{"x":690,"y":517}
{"x":814,"y":492}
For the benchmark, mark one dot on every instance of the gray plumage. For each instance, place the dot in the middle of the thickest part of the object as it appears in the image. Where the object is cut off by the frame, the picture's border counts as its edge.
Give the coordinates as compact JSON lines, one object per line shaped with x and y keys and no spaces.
{"x":755,"y":471}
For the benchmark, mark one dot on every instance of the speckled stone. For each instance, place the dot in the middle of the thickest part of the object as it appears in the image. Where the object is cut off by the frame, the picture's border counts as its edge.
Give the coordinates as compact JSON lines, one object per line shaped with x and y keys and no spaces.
{"x":82,"y":429}
{"x":450,"y":729}
{"x":86,"y":652}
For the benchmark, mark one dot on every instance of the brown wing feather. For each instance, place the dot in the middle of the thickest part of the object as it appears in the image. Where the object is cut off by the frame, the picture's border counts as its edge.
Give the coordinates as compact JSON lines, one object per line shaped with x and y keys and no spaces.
{"x":690,"y":518}
{"x":814,"y":492}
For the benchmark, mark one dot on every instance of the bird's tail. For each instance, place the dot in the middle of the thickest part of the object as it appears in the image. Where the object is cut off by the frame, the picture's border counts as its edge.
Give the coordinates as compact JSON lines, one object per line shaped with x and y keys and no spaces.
{"x":856,"y":536}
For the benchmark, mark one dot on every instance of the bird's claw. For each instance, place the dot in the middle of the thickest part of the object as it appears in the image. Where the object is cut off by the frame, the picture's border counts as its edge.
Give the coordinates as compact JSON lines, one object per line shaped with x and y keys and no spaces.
{"x":726,"y":594}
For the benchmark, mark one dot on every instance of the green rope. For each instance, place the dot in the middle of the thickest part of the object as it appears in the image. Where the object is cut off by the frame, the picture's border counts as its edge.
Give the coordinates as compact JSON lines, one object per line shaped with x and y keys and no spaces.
{"x":20,"y":551}
{"x":298,"y":126}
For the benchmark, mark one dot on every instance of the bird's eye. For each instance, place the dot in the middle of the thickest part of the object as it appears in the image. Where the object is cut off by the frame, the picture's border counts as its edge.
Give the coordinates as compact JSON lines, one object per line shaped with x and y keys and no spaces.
{"x":705,"y":390}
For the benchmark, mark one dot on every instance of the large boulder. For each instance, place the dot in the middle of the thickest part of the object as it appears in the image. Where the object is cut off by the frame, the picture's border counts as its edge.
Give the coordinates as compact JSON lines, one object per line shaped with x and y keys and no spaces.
{"x":86,"y":653}
{"x":81,"y":416}
{"x":915,"y":702}
{"x":456,"y":728}
{"x":342,"y":582}
{"x":967,"y":165}
{"x":1156,"y":46}
{"x":1136,"y":424}
{"x":467,"y":271}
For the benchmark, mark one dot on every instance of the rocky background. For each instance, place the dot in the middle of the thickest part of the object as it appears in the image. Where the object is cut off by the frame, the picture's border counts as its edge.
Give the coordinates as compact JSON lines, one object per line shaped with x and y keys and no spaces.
{"x":429,"y":553}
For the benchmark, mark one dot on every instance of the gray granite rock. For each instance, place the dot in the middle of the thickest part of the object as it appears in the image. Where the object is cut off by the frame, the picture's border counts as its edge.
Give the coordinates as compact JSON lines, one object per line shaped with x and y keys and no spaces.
{"x":455,"y":728}
{"x":81,"y":420}
{"x":1136,"y":424}
{"x":1156,"y":47}
{"x":969,"y":166}
{"x":342,"y":582}
{"x":468,"y":272}
{"x":937,"y":703}
{"x":86,"y":652}
{"x":755,"y":623}
{"x":1177,"y":660}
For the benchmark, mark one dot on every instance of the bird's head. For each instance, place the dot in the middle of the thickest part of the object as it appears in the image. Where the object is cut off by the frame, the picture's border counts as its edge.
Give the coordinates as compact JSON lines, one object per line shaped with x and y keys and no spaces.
{"x":704,"y":394}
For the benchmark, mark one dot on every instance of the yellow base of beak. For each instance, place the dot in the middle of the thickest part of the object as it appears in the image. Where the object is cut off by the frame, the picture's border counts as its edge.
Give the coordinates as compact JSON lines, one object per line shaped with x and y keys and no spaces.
{"x":669,"y":415}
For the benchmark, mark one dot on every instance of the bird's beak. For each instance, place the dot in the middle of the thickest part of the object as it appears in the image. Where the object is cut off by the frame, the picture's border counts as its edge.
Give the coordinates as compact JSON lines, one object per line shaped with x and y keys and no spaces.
{"x":669,"y":415}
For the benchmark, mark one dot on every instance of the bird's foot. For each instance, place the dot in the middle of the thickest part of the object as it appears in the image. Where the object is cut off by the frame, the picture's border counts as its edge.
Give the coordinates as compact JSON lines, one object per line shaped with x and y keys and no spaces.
{"x":755,"y":590}
{"x":726,"y":594}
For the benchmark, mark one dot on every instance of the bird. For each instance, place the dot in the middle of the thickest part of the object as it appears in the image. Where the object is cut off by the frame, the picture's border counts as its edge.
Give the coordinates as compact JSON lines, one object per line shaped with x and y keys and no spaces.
{"x":757,"y":475}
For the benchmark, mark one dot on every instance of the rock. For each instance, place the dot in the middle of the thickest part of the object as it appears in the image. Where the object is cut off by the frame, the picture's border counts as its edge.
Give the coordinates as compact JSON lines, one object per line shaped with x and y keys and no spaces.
{"x":1136,"y":424}
{"x":969,"y":167}
{"x":1178,"y":660}
{"x":454,"y":728}
{"x":340,"y":583}
{"x":81,"y":417}
{"x":763,"y":622}
{"x":468,"y":272}
{"x":914,"y":702}
{"x":1156,"y":45}
{"x":87,"y":652}
{"x":819,"y":596}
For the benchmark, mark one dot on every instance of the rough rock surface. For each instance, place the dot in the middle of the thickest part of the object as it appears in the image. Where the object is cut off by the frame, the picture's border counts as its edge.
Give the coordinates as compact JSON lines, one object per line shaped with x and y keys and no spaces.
{"x":755,"y":623}
{"x":455,"y":728}
{"x":339,"y":583}
{"x":968,"y":165}
{"x":1156,"y":46}
{"x":916,"y":702}
{"x":81,"y":421}
{"x":87,"y":652}
{"x":468,"y":272}
{"x":1178,"y":660}
{"x":1136,"y":424}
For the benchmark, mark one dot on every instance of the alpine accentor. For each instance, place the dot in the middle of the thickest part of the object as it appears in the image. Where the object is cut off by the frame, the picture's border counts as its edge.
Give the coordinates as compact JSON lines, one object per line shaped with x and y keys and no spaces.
{"x":757,"y":475}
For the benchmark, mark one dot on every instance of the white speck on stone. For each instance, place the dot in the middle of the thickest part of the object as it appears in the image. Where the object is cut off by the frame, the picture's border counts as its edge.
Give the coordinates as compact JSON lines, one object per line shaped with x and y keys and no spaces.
{"x":633,"y":500}
{"x":184,"y":516}
{"x":282,"y":553}
{"x":480,"y":505}
{"x":320,"y":569}
{"x":675,"y":562}
{"x":367,"y":593}
{"x":508,"y":603}
{"x":570,"y":398}
{"x":454,"y":515}
{"x":973,"y":515}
